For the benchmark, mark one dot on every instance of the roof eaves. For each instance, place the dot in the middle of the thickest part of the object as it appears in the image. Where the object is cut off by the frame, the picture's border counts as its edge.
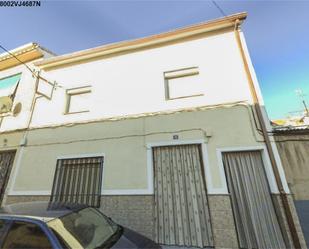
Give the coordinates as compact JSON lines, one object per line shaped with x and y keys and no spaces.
{"x":200,"y":28}
{"x":28,"y":52}
{"x":18,"y":51}
{"x":286,"y":129}
{"x":47,"y":51}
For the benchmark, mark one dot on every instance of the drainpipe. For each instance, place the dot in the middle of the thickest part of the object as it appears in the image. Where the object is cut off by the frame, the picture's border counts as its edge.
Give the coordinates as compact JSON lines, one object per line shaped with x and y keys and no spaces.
{"x":257,"y":107}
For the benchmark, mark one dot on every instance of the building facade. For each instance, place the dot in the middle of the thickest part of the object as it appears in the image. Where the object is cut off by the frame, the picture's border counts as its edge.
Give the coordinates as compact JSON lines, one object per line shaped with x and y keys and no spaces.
{"x":161,"y":134}
{"x":17,"y":89}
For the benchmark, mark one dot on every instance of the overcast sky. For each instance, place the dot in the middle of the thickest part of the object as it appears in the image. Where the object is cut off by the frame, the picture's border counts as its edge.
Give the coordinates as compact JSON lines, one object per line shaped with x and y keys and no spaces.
{"x":277,"y":34}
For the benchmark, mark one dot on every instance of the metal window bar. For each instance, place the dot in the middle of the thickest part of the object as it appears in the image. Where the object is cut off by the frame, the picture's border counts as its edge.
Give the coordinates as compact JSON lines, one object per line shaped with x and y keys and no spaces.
{"x":78,"y":180}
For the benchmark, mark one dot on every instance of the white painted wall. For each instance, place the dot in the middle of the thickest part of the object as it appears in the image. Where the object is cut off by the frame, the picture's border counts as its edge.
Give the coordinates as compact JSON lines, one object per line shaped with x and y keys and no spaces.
{"x":133,"y":83}
{"x":24,"y":95}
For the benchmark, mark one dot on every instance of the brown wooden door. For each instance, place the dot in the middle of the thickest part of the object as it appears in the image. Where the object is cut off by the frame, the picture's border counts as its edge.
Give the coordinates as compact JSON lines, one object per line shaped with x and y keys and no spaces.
{"x":6,"y":163}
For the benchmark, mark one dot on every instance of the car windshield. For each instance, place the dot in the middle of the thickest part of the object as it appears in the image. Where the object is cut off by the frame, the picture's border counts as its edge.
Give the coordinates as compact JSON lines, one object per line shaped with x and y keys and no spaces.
{"x":86,"y":228}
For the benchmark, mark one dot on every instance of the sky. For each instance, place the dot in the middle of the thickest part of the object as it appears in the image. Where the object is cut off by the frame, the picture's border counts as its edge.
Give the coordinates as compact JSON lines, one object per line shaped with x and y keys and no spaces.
{"x":277,"y":34}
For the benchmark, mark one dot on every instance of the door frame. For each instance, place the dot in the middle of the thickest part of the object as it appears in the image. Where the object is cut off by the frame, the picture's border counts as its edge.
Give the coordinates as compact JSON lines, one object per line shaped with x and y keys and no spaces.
{"x":266,"y":162}
{"x":205,"y":163}
{"x":270,"y":177}
{"x":205,"y":170}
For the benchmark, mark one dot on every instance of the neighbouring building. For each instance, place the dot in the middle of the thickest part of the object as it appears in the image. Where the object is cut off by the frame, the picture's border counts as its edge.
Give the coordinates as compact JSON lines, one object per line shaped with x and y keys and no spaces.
{"x":292,"y":121}
{"x":17,"y":89}
{"x":293,"y":147}
{"x":166,"y":134}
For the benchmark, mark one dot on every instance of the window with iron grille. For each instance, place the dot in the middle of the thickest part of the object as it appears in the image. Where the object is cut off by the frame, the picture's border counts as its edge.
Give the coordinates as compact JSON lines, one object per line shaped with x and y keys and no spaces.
{"x":78,"y":180}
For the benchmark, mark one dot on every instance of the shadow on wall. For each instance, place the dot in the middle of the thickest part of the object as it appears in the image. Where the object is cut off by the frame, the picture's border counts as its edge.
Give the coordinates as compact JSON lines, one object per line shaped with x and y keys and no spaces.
{"x":302,"y":208}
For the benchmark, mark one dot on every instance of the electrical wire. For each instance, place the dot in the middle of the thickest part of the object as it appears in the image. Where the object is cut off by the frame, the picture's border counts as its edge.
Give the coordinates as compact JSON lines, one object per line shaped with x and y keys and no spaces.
{"x":17,"y":59}
{"x":55,"y":84}
{"x":219,"y":8}
{"x":225,"y":15}
{"x":119,"y":137}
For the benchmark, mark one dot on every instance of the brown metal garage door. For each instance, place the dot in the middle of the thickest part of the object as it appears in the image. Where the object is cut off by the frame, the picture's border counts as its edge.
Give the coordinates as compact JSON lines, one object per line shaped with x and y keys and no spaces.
{"x":182,"y":213}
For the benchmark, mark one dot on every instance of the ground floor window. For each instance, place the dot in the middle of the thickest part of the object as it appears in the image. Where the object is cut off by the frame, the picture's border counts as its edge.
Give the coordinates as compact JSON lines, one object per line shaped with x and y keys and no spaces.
{"x":78,"y":180}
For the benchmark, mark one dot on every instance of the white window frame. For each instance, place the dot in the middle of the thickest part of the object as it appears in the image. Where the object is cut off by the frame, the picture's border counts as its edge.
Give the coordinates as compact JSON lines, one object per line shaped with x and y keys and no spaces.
{"x":266,"y":161}
{"x":179,"y":73}
{"x":150,"y":165}
{"x":72,"y":92}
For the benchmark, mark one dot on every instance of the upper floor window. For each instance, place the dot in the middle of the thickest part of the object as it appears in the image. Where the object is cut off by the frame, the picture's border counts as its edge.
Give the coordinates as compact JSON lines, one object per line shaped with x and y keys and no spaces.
{"x":183,"y":83}
{"x":78,"y":100}
{"x":8,"y":87}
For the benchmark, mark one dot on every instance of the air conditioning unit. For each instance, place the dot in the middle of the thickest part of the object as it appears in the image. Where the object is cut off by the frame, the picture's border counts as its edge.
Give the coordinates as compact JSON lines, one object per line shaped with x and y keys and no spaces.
{"x":5,"y":104}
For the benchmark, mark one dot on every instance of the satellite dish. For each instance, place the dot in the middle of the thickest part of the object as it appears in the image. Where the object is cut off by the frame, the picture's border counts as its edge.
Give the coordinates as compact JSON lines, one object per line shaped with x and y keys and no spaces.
{"x":17,"y":109}
{"x":5,"y":104}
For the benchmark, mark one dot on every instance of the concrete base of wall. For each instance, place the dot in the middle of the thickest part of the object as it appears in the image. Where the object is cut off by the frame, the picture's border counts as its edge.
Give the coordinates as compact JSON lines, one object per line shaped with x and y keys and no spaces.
{"x":137,"y":213}
{"x":222,"y":221}
{"x":284,"y":224}
{"x":16,"y":199}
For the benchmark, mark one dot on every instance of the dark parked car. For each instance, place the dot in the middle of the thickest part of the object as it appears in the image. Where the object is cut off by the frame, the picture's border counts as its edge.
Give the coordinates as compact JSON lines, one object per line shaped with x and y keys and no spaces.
{"x":45,"y":225}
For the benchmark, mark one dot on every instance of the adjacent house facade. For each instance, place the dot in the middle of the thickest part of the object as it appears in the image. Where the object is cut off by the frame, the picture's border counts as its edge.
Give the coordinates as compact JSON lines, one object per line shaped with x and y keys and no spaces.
{"x":17,"y":89}
{"x":293,"y":147}
{"x":161,"y":133}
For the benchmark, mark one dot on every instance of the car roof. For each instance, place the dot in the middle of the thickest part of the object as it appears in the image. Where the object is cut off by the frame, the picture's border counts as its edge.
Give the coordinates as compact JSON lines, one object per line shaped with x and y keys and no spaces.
{"x":42,"y":210}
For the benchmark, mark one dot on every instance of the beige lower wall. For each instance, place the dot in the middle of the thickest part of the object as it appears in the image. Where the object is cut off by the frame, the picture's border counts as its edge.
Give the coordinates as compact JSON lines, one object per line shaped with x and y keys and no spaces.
{"x":10,"y":140}
{"x":126,"y":167}
{"x":124,"y":145}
